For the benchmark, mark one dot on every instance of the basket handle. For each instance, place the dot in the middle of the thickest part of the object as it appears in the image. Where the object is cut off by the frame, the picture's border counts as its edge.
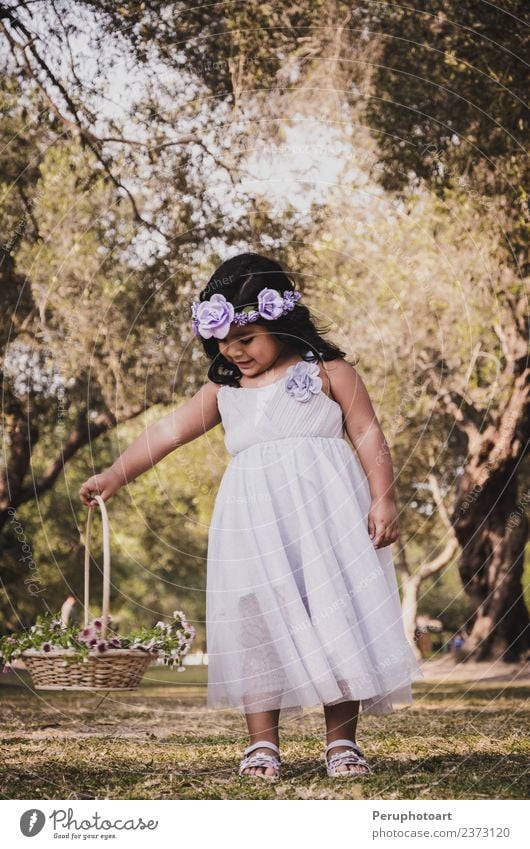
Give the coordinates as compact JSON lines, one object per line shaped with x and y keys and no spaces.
{"x":106,"y":563}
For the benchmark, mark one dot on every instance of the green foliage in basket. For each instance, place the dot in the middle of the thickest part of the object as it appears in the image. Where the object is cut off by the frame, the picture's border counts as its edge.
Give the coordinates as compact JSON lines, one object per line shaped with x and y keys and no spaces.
{"x":167,"y":642}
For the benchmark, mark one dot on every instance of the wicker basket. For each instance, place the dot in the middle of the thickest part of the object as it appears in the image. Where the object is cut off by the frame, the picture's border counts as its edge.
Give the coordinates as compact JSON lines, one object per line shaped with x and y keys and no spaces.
{"x":117,"y":669}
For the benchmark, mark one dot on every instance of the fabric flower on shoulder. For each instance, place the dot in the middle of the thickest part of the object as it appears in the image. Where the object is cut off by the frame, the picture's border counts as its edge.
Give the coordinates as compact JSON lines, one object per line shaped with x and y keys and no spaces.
{"x":303,"y":381}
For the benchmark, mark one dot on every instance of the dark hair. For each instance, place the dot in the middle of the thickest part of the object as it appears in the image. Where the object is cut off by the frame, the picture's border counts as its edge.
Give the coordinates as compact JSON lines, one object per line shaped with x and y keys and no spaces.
{"x":240,"y":279}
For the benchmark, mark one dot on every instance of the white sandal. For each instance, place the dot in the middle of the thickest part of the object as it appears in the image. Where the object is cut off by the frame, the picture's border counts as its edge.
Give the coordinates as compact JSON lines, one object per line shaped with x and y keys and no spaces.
{"x":354,"y":757}
{"x":261,"y":759}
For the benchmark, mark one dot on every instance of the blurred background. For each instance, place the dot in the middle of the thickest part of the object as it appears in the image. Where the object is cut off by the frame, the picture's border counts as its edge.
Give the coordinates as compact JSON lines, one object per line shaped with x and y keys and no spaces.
{"x":378,"y":151}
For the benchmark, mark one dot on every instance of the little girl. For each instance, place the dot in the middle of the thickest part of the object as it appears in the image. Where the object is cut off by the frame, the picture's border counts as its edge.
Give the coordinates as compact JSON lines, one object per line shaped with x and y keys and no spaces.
{"x":302,"y":603}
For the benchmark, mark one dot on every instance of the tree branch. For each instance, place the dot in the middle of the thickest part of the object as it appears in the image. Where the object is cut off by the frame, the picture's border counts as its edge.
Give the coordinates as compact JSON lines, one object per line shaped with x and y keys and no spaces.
{"x":438,"y":563}
{"x":449,"y":398}
{"x":86,"y":137}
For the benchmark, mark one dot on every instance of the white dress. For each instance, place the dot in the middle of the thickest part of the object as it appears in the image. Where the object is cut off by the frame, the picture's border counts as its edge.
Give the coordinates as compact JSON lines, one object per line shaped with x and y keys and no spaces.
{"x":301,"y":609}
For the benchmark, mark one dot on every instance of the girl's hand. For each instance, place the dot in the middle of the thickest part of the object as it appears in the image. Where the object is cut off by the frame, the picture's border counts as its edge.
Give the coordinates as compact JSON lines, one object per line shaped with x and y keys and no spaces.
{"x":383,"y":522}
{"x":105,"y":484}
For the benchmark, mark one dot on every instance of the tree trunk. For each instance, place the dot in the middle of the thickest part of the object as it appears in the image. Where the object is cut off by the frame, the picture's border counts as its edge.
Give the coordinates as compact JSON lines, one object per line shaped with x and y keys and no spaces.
{"x":492,"y":528}
{"x":410,"y":585}
{"x":411,"y":582}
{"x":488,"y":518}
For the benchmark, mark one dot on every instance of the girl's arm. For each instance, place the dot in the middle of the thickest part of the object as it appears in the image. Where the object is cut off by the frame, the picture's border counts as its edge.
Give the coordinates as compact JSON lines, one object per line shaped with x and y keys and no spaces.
{"x":182,"y":425}
{"x":365,"y":432}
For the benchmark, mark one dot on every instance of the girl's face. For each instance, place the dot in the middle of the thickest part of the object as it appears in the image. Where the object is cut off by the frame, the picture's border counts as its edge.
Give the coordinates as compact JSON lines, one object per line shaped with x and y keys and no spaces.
{"x":252,"y":348}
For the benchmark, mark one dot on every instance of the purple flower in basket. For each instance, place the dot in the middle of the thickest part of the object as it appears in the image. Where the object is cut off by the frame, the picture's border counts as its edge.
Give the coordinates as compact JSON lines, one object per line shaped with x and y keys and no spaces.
{"x":98,"y":623}
{"x":46,"y":647}
{"x":303,"y":381}
{"x":102,"y":646}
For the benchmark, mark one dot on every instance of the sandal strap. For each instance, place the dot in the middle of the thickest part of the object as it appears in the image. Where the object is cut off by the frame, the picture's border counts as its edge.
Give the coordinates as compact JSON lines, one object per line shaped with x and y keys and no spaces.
{"x":350,"y":743}
{"x":354,"y":756}
{"x":347,"y":758}
{"x":262,"y":744}
{"x":260,"y":760}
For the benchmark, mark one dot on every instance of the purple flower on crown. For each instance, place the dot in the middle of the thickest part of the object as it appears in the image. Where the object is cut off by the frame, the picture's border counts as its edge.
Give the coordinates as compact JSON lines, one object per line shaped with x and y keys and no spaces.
{"x":270,"y":303}
{"x":244,"y":316}
{"x":290,"y":299}
{"x":303,"y":381}
{"x":212,"y":317}
{"x":195,"y":321}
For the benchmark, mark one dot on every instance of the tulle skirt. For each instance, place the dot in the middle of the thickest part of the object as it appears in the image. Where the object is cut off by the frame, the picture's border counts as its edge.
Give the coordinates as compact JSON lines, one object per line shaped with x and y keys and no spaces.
{"x":302,"y":610}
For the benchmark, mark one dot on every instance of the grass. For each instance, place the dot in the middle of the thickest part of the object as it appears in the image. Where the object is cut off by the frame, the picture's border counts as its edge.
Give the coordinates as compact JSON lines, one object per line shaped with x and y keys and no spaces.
{"x":456,"y":741}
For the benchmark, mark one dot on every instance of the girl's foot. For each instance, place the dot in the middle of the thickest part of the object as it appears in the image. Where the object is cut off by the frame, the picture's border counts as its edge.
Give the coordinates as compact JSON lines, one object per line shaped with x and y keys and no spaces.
{"x":261,"y":759}
{"x":347,"y":757}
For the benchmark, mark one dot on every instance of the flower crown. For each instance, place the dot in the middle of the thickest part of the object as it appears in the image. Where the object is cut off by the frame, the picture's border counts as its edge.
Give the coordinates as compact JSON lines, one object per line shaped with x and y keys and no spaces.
{"x":213,"y":317}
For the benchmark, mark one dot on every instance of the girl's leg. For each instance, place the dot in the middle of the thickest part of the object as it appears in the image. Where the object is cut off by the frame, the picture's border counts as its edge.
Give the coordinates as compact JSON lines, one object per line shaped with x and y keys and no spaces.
{"x":341,"y":724}
{"x":263,"y":726}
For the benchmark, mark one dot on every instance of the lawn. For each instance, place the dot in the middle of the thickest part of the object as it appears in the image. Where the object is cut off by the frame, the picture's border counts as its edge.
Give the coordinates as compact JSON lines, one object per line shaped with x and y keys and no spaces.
{"x":456,"y":741}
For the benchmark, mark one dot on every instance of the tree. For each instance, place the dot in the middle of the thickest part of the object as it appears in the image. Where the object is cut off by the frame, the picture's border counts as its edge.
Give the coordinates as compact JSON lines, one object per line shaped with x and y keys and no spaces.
{"x":112,"y":215}
{"x":449,"y":94}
